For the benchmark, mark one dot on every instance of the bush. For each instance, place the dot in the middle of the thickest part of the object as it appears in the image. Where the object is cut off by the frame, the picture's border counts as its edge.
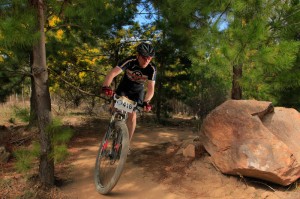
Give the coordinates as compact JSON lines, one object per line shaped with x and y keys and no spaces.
{"x":24,"y":160}
{"x":60,"y":137}
{"x":22,"y":113}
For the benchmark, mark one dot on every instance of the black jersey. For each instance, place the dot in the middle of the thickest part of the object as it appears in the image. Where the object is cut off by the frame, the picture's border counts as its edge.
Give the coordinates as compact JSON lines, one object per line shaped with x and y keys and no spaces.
{"x":135,"y":76}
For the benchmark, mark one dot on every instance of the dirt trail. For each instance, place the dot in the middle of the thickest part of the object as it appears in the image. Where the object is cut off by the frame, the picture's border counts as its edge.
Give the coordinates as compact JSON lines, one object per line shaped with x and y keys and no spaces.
{"x":135,"y":181}
{"x":152,"y":172}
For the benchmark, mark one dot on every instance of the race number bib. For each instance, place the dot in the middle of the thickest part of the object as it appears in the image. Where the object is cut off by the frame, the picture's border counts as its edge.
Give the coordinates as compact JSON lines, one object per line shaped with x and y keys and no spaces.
{"x":125,"y":104}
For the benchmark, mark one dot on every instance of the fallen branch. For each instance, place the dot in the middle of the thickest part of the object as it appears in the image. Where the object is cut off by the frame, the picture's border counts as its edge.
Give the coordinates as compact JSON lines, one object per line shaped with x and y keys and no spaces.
{"x":21,"y":140}
{"x":264,"y":184}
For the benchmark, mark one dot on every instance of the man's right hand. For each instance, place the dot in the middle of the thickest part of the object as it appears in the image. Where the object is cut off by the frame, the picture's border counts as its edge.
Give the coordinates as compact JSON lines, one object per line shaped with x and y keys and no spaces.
{"x":107,"y":91}
{"x":147,"y":106}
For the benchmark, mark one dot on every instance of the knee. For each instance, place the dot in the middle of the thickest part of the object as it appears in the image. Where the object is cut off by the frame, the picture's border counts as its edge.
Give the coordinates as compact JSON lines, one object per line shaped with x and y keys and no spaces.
{"x":132,"y":117}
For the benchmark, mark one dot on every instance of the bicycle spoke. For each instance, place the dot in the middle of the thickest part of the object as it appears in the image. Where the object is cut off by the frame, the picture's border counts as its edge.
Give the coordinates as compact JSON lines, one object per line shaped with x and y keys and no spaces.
{"x":110,"y":160}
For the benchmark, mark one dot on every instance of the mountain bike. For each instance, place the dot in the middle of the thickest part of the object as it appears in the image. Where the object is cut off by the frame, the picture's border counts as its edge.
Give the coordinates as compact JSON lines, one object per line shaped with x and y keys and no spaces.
{"x":113,"y":150}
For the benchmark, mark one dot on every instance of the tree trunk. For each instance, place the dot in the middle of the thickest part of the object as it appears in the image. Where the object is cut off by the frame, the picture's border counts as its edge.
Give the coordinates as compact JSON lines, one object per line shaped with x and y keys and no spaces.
{"x":33,"y":120}
{"x":116,"y":61}
{"x":43,"y":102}
{"x":158,"y":100}
{"x":160,"y":90}
{"x":236,"y":92}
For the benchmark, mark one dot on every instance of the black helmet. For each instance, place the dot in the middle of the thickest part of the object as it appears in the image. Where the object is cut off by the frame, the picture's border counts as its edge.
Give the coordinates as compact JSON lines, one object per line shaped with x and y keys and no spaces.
{"x":145,"y":49}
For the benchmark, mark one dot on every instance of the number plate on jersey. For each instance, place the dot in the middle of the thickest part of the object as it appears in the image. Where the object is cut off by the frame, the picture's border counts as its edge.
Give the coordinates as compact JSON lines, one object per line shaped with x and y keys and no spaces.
{"x":125,"y":104}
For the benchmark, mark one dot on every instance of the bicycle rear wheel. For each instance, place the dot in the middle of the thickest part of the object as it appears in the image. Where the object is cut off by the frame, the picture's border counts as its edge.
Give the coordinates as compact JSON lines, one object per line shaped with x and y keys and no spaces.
{"x":111,"y":157}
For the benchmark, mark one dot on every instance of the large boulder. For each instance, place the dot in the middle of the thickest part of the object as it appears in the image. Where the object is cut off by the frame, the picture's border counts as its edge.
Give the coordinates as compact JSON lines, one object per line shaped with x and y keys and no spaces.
{"x":252,"y":138}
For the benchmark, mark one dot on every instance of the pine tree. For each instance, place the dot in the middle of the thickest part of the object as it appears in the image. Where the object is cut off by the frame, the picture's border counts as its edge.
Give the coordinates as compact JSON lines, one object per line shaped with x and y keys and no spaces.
{"x":250,"y":52}
{"x":285,"y":26}
{"x":187,"y":27}
{"x":42,"y":96}
{"x":16,"y":38}
{"x":23,"y":28}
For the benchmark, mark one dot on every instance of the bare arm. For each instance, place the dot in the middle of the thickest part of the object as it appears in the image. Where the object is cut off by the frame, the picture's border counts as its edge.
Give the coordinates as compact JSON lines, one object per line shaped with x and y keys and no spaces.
{"x":111,"y":75}
{"x":150,"y":91}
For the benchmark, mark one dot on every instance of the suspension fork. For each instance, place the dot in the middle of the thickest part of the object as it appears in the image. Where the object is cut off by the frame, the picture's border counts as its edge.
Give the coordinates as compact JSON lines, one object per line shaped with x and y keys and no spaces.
{"x":108,"y":133}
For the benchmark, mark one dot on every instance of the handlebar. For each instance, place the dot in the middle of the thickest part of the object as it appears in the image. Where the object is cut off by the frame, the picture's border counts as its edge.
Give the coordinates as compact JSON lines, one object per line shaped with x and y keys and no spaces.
{"x":138,"y":106}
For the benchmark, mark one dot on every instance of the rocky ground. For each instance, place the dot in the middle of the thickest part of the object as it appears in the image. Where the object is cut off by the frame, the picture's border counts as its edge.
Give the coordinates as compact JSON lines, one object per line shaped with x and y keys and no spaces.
{"x":155,"y":168}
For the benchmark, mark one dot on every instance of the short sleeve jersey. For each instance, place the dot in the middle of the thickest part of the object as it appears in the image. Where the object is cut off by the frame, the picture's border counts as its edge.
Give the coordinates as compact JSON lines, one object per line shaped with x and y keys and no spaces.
{"x":135,"y":76}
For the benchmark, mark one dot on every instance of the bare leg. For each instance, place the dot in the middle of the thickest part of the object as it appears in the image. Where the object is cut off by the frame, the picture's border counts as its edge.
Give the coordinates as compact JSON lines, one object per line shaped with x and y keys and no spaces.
{"x":131,"y":124}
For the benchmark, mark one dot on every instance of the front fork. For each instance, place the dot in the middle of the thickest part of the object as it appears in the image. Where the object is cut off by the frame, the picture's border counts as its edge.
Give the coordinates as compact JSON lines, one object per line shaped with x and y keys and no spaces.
{"x":113,"y":151}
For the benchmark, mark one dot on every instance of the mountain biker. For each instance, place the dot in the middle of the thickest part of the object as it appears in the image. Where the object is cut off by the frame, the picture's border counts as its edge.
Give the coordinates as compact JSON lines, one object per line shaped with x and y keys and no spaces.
{"x":138,"y":70}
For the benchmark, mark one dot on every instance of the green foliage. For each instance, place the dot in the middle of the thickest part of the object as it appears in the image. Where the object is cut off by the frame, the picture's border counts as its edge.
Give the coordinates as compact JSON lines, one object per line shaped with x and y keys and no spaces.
{"x":60,"y":153}
{"x":17,"y":28}
{"x":27,"y":157}
{"x":36,"y":149}
{"x":17,"y":35}
{"x":261,"y":37}
{"x":194,"y":57}
{"x":100,"y":16}
{"x":69,"y":26}
{"x":201,"y":80}
{"x":61,"y":134}
{"x":211,"y":88}
{"x":24,"y":159}
{"x":11,"y":79}
{"x":81,"y":52}
{"x":12,"y":120}
{"x":22,"y":113}
{"x":60,"y":137}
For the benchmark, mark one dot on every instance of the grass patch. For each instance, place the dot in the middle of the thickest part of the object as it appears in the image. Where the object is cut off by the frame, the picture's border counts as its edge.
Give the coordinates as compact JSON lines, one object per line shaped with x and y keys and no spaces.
{"x":5,"y":183}
{"x":22,"y":113}
{"x":60,"y":135}
{"x":297,"y":185}
{"x":24,"y":159}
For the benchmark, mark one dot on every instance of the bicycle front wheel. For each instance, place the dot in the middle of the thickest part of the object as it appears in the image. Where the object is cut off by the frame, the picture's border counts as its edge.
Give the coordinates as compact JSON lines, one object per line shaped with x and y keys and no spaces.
{"x":111,"y":157}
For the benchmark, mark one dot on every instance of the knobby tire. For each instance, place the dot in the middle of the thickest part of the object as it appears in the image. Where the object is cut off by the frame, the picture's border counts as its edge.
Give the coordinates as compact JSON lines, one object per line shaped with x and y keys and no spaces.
{"x":105,"y":181}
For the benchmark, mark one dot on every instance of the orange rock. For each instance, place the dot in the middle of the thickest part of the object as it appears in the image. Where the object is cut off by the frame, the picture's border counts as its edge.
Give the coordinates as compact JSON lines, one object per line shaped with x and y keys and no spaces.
{"x":252,"y":138}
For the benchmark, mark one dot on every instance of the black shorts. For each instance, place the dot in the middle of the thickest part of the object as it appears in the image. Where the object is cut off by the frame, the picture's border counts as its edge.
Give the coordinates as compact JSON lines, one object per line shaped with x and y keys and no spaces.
{"x":134,"y":96}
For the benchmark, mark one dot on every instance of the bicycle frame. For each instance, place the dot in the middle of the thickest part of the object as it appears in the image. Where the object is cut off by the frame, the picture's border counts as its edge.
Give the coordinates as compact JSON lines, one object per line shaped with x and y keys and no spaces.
{"x":113,"y":150}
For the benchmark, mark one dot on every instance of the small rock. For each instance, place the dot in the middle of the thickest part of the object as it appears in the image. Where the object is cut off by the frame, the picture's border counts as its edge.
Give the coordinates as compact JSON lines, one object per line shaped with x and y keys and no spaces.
{"x":180,"y":151}
{"x":189,"y":151}
{"x":265,"y":195}
{"x":187,"y":142}
{"x":170,"y":150}
{"x":4,"y":155}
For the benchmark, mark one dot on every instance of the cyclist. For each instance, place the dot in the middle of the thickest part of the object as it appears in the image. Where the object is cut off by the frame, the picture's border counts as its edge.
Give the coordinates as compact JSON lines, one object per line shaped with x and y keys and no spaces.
{"x":138,"y":69}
